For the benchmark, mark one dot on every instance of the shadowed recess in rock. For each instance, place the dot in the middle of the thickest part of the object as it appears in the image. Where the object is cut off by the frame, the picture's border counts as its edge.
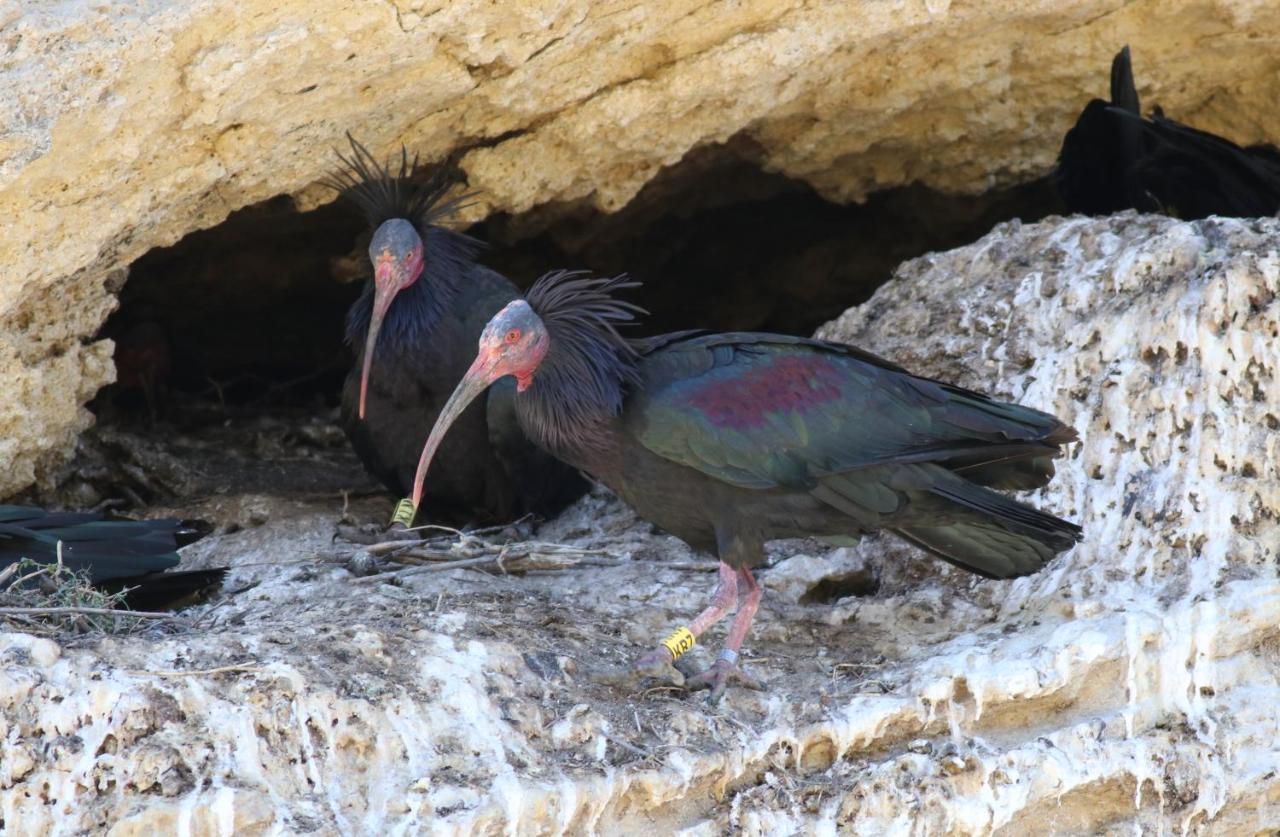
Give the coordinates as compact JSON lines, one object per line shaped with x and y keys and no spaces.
{"x":251,"y":311}
{"x":720,"y":243}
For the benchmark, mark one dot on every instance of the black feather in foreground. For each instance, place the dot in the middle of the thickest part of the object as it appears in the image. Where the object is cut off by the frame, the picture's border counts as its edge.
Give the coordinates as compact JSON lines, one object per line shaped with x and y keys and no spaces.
{"x":130,"y":555}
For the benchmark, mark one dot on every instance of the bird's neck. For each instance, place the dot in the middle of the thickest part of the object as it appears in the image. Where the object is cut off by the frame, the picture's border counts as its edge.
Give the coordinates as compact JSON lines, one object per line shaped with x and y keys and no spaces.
{"x":419,"y":308}
{"x":576,"y":393}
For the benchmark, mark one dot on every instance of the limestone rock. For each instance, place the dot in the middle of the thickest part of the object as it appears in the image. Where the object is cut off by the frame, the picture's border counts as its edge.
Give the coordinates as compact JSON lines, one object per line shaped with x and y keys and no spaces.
{"x":1131,"y":685}
{"x":123,"y":129}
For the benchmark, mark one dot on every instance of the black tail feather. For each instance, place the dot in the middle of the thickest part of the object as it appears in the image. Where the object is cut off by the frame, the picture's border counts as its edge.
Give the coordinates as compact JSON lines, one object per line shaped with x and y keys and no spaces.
{"x":115,"y":554}
{"x":1124,"y":93}
{"x":985,"y":532}
{"x":167,"y":591}
{"x":190,"y":531}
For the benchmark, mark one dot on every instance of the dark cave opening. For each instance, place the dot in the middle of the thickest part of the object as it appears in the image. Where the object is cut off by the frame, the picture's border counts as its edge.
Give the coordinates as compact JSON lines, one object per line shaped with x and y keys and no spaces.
{"x":242,"y":323}
{"x":250,"y":312}
{"x":723,"y":245}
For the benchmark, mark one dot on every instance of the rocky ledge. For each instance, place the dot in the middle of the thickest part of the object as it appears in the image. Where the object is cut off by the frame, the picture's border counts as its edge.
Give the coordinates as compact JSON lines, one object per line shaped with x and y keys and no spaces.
{"x":1131,"y":684}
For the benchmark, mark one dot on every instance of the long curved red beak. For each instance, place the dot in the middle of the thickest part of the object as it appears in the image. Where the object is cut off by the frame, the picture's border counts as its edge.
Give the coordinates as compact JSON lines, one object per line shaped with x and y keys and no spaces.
{"x":386,"y":286}
{"x":478,"y":378}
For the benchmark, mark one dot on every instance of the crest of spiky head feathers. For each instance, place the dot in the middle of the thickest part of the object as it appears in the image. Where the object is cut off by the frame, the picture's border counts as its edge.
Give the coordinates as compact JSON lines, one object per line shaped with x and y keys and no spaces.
{"x":382,"y":193}
{"x":589,"y":364}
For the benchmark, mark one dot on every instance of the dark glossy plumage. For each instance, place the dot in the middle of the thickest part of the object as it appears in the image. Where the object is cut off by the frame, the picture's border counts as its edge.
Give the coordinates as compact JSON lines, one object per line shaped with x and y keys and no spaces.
{"x":1113,"y":159}
{"x":489,"y":471}
{"x":730,"y":440}
{"x":114,"y":553}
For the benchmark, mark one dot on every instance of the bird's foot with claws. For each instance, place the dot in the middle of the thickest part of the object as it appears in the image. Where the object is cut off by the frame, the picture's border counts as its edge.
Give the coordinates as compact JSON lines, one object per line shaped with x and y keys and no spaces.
{"x":398,"y":529}
{"x":361,"y":533}
{"x":399,"y":532}
{"x":657,"y":665}
{"x":722,"y":673}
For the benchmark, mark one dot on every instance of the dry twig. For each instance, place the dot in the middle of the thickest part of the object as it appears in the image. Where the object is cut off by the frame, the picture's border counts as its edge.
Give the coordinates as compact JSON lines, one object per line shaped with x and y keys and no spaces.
{"x":618,"y":741}
{"x":51,"y":598}
{"x":468,"y":550}
{"x":196,"y":672}
{"x":83,"y":611}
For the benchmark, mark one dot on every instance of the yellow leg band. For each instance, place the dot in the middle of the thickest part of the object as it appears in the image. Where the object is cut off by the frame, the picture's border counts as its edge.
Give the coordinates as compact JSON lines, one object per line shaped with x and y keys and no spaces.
{"x":680,"y":642}
{"x":403,"y":513}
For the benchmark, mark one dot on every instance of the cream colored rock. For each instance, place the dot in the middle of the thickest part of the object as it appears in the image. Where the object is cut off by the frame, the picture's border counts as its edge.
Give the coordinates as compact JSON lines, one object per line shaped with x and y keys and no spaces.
{"x":1156,"y":340}
{"x":1131,"y":686}
{"x":123,"y":128}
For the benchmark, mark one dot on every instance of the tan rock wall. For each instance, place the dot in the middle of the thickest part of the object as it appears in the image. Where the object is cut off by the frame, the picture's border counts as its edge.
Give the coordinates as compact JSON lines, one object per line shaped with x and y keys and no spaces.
{"x":124,"y":127}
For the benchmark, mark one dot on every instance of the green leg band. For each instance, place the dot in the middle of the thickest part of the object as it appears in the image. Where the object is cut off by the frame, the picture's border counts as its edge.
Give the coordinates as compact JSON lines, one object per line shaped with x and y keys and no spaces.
{"x":404,"y":513}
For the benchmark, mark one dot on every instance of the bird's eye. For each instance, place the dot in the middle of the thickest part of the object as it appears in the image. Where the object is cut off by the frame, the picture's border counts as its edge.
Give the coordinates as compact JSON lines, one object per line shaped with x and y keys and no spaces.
{"x":513,"y":335}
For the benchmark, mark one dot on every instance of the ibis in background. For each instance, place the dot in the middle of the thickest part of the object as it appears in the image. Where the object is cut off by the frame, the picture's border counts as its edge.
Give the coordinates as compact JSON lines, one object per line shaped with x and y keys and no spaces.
{"x":731,"y":440}
{"x":1113,"y":159}
{"x":419,"y":317}
{"x":115,"y":554}
{"x":144,"y":361}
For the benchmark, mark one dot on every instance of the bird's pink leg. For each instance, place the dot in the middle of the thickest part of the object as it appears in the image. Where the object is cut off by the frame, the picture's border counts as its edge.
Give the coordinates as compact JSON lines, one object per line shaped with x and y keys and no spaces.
{"x":726,"y":596}
{"x":725,"y":669}
{"x":657,"y":663}
{"x":746,"y":612}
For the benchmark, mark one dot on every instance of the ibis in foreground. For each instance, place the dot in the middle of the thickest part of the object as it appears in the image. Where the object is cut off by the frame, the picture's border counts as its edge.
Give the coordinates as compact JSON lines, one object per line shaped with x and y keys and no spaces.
{"x":731,"y":440}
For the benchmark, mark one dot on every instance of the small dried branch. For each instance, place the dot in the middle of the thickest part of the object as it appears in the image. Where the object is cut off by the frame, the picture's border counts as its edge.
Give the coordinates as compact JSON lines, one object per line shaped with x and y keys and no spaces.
{"x":81,"y":611}
{"x":623,"y":744}
{"x":52,"y":598}
{"x":240,"y":667}
{"x":530,"y":557}
{"x":438,"y":562}
{"x":468,"y":550}
{"x":391,"y":546}
{"x":47,"y":570}
{"x":682,"y":566}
